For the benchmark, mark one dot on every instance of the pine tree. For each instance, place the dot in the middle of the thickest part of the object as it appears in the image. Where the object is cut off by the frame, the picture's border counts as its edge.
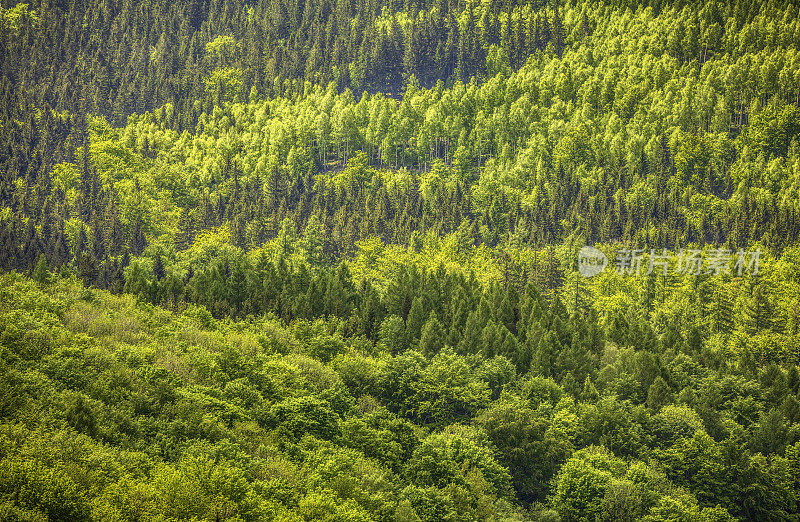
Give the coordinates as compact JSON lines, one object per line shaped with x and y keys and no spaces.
{"x":158,"y":268}
{"x":590,"y":393}
{"x":414,"y":322}
{"x":185,"y":234}
{"x":60,"y":253}
{"x":558,"y":33}
{"x":432,"y":338}
{"x":88,"y":269}
{"x":41,"y":274}
{"x":658,"y":395}
{"x":138,"y":241}
{"x":757,"y":309}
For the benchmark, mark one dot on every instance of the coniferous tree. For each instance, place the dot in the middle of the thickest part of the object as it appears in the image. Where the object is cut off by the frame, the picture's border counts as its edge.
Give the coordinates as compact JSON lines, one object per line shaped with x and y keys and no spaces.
{"x":431,"y":339}
{"x":41,"y":273}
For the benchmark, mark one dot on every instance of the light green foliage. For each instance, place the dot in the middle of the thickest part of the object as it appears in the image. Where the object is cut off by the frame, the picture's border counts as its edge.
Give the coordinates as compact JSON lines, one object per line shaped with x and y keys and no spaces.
{"x":352,"y":431}
{"x":673,"y":423}
{"x":456,"y":462}
{"x":15,"y":17}
{"x":531,"y":446}
{"x":447,"y":391}
{"x":221,"y":48}
{"x":392,"y":333}
{"x":582,"y":483}
{"x":432,"y":336}
{"x":352,"y":479}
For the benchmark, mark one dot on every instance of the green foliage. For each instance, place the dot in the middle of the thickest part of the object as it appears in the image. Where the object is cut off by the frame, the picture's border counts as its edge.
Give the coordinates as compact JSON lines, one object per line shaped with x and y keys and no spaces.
{"x":432,"y":337}
{"x":360,"y":432}
{"x":18,"y":16}
{"x":582,"y":482}
{"x":317,"y":261}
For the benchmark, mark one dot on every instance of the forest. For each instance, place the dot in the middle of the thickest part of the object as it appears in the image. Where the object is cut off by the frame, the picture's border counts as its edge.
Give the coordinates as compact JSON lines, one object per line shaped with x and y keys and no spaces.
{"x":322,"y":260}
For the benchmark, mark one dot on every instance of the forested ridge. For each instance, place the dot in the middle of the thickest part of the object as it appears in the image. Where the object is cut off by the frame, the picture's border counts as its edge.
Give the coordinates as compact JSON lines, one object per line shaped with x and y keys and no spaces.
{"x":319,"y":260}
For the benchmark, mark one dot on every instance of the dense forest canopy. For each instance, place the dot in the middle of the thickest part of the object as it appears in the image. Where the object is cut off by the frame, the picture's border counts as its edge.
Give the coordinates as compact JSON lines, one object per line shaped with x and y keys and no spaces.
{"x":319,"y":260}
